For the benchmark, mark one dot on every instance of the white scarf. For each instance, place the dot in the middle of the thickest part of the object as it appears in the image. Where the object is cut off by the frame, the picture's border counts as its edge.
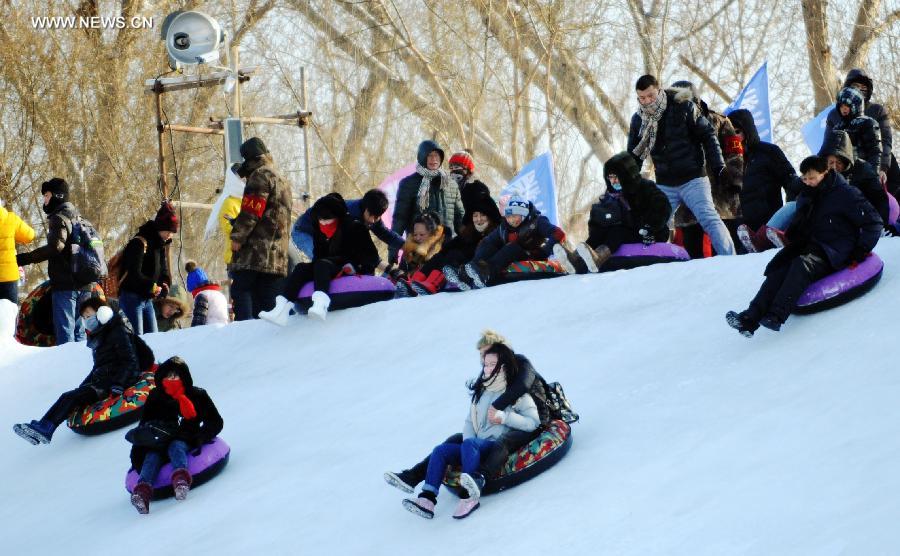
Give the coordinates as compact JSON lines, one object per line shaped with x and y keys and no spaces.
{"x":650,"y":116}
{"x":427,"y":176}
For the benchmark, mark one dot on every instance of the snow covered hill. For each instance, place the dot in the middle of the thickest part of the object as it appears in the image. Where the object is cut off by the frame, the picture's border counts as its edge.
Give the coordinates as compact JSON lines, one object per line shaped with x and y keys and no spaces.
{"x":692,"y":439}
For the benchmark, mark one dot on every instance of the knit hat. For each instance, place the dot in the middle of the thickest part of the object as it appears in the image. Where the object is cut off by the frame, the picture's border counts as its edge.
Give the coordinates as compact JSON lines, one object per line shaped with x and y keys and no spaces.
{"x":196,"y":276}
{"x":58,"y":187}
{"x":853,"y":99}
{"x":166,"y":219}
{"x":517,"y":206}
{"x":490,"y":337}
{"x":253,"y":148}
{"x":464,"y":159}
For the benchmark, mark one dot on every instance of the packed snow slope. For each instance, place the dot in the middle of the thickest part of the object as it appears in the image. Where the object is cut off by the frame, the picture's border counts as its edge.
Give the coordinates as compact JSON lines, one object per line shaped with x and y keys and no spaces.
{"x":692,"y":440}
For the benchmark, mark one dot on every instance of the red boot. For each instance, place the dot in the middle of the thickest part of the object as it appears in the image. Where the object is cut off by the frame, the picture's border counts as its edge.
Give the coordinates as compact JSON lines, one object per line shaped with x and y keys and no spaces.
{"x":434,"y":282}
{"x":181,"y":483}
{"x":140,"y":497}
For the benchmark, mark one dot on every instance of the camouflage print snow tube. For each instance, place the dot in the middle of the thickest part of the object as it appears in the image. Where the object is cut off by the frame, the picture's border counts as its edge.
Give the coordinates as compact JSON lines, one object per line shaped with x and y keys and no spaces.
{"x":534,"y":458}
{"x":113,"y":412}
{"x":34,"y":324}
{"x":530,"y":270}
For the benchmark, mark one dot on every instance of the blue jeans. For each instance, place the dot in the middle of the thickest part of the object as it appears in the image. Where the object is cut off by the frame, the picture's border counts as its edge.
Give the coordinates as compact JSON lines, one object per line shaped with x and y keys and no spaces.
{"x":67,"y":324}
{"x":783,"y":216}
{"x":178,"y":451}
{"x":696,"y":194}
{"x":139,"y":311}
{"x":467,"y":454}
{"x":10,"y":291}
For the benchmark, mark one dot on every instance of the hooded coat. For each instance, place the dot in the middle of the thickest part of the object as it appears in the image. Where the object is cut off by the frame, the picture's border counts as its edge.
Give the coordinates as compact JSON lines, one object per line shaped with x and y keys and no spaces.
{"x":144,"y":263}
{"x":12,"y":231}
{"x":858,"y":173}
{"x":864,"y":132}
{"x":57,"y":251}
{"x":445,"y":201}
{"x":351,"y":242}
{"x":163,"y":409}
{"x":766,"y":172}
{"x":117,"y":361}
{"x":685,"y":143}
{"x":873,"y":110}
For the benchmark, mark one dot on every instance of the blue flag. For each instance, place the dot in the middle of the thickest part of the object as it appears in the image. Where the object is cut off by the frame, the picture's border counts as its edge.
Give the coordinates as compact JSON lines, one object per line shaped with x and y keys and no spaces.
{"x":814,"y":130}
{"x":536,"y":183}
{"x":755,"y":98}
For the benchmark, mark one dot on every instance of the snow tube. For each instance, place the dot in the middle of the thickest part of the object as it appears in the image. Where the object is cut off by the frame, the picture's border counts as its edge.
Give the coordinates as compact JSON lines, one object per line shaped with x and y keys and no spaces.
{"x":532,"y":459}
{"x":893,"y":209}
{"x":34,"y":324}
{"x":204,"y":463}
{"x":350,"y":291}
{"x":842,"y":286}
{"x":530,"y":270}
{"x":113,"y":412}
{"x":633,"y":255}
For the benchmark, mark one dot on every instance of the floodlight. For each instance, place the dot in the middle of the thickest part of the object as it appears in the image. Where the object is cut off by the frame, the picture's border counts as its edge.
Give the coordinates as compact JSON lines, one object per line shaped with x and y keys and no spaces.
{"x":192,"y":38}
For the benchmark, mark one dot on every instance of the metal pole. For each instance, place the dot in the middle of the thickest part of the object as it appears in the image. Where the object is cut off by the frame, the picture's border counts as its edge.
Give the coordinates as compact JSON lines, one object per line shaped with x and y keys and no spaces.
{"x":308,"y":192}
{"x":237,"y":86}
{"x":160,"y":130}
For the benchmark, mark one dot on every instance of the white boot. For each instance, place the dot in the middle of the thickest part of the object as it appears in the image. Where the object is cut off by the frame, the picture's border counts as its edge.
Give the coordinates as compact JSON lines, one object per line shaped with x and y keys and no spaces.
{"x":319,"y":308}
{"x":280,"y":313}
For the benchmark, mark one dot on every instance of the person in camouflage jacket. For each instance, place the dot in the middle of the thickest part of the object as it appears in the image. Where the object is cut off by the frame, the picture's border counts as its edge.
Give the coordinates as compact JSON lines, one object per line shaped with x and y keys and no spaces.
{"x":260,"y":234}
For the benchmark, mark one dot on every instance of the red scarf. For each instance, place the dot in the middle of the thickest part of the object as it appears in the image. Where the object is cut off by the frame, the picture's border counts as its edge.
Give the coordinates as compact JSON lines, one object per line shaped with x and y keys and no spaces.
{"x":175,"y":388}
{"x":195,"y":291}
{"x":329,"y":229}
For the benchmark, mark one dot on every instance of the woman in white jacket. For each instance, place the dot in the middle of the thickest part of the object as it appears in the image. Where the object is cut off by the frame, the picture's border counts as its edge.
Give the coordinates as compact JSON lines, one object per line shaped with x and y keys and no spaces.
{"x":479,"y":433}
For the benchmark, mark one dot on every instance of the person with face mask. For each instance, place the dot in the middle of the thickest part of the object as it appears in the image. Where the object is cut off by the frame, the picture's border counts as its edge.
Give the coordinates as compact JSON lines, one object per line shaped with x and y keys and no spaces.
{"x":68,"y":293}
{"x":631,"y":210}
{"x":864,"y":132}
{"x":119,"y":359}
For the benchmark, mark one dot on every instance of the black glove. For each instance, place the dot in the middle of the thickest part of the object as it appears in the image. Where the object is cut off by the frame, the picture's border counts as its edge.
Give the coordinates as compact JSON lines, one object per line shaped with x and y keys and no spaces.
{"x":397,"y":274}
{"x":890,"y":231}
{"x":646,"y":236}
{"x":116,"y":390}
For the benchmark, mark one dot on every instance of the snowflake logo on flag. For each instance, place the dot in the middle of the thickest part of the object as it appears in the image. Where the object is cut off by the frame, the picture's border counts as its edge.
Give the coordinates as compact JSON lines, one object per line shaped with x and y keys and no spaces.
{"x":526,"y":187}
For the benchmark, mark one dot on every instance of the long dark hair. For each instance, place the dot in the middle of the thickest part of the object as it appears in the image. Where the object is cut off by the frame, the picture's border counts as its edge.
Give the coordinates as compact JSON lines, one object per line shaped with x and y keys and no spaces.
{"x":506,"y":361}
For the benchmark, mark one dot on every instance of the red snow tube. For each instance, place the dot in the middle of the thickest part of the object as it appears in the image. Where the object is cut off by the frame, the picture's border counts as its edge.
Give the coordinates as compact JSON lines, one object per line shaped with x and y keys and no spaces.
{"x":532,"y":459}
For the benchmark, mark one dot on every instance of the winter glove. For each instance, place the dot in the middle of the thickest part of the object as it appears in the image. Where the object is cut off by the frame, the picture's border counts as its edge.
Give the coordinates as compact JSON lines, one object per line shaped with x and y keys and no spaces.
{"x":163,"y":290}
{"x":116,"y":390}
{"x":646,"y":236}
{"x":397,"y":274}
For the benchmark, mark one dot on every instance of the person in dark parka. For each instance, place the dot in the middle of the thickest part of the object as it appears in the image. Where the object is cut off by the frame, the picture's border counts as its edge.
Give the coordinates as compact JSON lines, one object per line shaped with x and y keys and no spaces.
{"x":632,"y":210}
{"x":766,"y":172}
{"x":188,"y":415}
{"x":119,"y":356}
{"x":834,"y":226}
{"x":838,"y":150}
{"x":864,"y":132}
{"x":341,"y":246}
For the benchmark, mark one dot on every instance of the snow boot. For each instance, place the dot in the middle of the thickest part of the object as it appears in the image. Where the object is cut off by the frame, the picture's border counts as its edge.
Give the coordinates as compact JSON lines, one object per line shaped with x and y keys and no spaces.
{"x":140,"y":497}
{"x":465,"y":507}
{"x":771,"y":322}
{"x":181,"y":483}
{"x":458,"y":279}
{"x":473,"y":483}
{"x":569,"y":260}
{"x":741,"y":323}
{"x":593,"y":259}
{"x":428,"y":285}
{"x":402,"y":480}
{"x":280,"y":313}
{"x":36,"y":432}
{"x":422,"y":506}
{"x":776,"y":236}
{"x":745,"y":235}
{"x":319,"y":308}
{"x":478,"y":273}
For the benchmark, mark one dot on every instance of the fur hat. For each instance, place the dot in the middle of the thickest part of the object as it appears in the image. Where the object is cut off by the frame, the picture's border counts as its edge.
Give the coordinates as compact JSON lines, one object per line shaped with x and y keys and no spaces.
{"x":517,"y":206}
{"x":464,"y":159}
{"x":486,"y":206}
{"x":490,"y":337}
{"x":166,"y":218}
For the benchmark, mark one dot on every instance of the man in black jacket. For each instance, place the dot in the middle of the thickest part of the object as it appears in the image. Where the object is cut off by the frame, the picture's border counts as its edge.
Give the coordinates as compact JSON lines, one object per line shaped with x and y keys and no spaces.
{"x":837,"y":149}
{"x":68,"y":293}
{"x":681,"y":142}
{"x":834,"y":226}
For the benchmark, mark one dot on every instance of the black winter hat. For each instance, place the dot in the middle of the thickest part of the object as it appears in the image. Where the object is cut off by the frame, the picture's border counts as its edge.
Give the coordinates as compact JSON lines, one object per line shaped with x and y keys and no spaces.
{"x":330,"y":206}
{"x":684,"y":84}
{"x":838,"y":143}
{"x":253,"y":148}
{"x":178,"y":365}
{"x":486,"y":206}
{"x":58,"y":187}
{"x":857,"y":75}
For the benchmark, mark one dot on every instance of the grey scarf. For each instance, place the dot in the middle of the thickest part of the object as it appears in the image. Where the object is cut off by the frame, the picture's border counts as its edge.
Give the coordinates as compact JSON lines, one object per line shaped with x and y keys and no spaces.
{"x":427,"y":176}
{"x":650,"y":116}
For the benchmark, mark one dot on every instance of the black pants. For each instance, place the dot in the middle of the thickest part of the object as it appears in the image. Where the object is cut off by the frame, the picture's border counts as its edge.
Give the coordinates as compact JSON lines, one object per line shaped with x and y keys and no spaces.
{"x":71,"y":400}
{"x":10,"y":291}
{"x":252,"y":292}
{"x":491,"y":462}
{"x":321,"y":272}
{"x":787,"y":277}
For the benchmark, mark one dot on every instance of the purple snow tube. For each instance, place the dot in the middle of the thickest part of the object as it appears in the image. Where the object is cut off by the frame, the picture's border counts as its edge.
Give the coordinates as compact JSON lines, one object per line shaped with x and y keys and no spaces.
{"x":893,"y":210}
{"x":842,"y":286}
{"x":350,"y":291}
{"x":204,"y":463}
{"x":633,"y":255}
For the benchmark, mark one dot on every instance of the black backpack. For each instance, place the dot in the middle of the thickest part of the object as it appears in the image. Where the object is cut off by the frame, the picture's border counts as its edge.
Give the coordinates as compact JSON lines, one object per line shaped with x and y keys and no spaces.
{"x":88,"y":259}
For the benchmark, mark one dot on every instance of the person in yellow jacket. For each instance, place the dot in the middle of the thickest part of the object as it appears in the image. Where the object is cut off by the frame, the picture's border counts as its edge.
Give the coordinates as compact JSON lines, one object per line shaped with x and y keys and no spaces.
{"x":12,"y":231}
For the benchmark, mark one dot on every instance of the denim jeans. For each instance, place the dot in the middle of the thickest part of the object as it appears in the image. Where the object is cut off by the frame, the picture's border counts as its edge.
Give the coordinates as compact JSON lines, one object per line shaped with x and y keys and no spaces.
{"x":467,"y":454}
{"x":178,"y":451}
{"x":139,"y":311}
{"x":696,"y":194}
{"x":67,"y":324}
{"x":783,"y":216}
{"x":10,"y":291}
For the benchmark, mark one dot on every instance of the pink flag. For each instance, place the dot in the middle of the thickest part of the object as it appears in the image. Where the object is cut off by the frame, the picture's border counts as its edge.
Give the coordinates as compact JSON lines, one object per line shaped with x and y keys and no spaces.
{"x":389,"y":186}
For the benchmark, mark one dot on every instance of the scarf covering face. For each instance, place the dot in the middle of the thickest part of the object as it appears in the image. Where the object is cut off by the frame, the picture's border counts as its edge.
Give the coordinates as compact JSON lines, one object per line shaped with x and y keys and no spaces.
{"x":650,"y":116}
{"x":427,"y":176}
{"x":175,"y":388}
{"x":329,"y":229}
{"x":497,"y":383}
